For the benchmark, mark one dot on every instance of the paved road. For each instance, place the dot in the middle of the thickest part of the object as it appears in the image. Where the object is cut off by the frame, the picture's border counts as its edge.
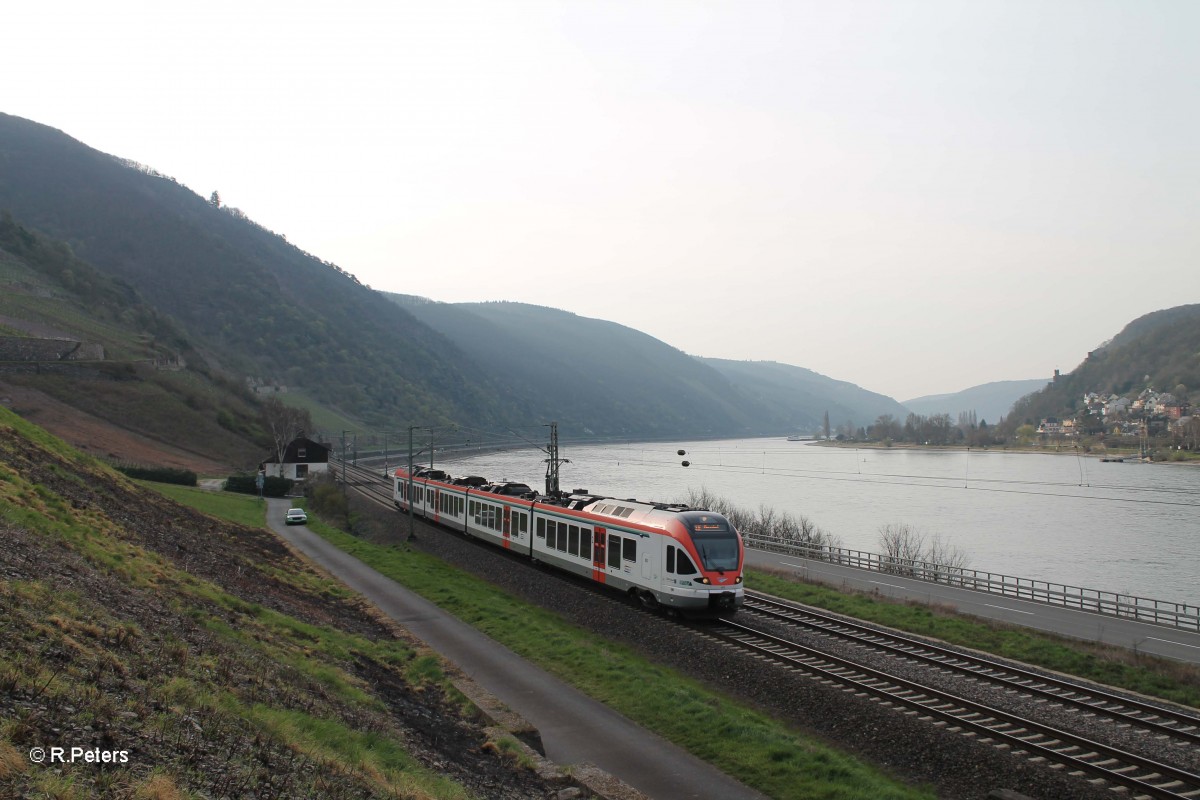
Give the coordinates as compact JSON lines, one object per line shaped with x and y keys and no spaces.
{"x":1144,"y":637}
{"x":574,"y":728}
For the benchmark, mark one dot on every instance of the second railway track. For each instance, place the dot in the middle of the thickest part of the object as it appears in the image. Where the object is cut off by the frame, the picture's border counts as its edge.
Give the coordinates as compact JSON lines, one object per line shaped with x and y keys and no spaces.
{"x":1154,"y":719}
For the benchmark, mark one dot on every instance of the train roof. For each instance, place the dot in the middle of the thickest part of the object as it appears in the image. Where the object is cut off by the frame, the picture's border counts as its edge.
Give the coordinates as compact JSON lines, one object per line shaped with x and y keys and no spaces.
{"x":628,"y":510}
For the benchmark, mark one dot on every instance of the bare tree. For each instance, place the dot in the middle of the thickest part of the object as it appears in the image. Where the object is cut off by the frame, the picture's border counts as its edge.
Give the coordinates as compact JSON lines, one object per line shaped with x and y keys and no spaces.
{"x":950,"y":559}
{"x":902,"y":544}
{"x":285,"y":424}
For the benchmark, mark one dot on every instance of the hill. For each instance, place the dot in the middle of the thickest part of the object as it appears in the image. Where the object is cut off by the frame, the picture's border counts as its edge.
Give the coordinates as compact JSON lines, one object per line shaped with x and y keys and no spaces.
{"x":249,"y":300}
{"x":800,"y":397}
{"x":1157,"y":350}
{"x":216,"y":661}
{"x":84,"y":355}
{"x":603,"y":377}
{"x":989,"y":401}
{"x":618,"y":381}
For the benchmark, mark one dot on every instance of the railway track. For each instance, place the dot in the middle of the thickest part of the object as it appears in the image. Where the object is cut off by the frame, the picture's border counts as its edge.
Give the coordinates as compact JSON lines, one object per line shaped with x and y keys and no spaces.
{"x":1128,"y":773}
{"x":1152,"y":719}
{"x":369,"y":483}
{"x":1139,"y":776}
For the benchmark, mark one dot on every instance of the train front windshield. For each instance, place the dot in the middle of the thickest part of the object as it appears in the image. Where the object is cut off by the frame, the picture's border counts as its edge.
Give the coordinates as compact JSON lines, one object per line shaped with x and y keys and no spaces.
{"x":717,"y":545}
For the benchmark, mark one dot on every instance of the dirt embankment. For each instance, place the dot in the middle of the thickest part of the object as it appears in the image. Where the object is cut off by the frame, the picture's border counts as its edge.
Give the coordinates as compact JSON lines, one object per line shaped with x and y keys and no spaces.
{"x":99,"y":437}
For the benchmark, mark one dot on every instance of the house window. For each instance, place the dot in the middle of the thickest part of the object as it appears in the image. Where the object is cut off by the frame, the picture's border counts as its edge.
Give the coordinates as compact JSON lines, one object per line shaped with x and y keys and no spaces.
{"x":301,"y":471}
{"x":300,"y":452}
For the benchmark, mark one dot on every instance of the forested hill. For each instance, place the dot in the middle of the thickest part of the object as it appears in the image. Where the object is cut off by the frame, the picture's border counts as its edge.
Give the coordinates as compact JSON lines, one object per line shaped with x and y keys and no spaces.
{"x":601,"y":376}
{"x":801,"y":397}
{"x":608,"y":375}
{"x":245,"y":296}
{"x":1159,"y":351}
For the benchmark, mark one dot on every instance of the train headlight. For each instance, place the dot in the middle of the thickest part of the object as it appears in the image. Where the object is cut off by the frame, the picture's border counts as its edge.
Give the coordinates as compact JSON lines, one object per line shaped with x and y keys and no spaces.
{"x":738,"y":579}
{"x":703,"y":580}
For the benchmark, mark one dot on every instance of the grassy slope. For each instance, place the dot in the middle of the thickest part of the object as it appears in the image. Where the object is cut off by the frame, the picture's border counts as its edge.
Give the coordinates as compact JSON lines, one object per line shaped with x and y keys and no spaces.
{"x":107,"y":641}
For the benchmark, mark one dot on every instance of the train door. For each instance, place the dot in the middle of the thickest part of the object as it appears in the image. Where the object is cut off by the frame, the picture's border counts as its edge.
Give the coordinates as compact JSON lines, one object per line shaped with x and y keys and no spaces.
{"x":437,"y":505}
{"x":599,"y":546}
{"x":507,"y":527}
{"x":648,"y":559}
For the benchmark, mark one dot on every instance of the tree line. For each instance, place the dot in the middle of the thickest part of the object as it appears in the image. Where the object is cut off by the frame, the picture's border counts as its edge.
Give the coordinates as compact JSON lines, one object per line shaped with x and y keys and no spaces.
{"x":934,"y":429}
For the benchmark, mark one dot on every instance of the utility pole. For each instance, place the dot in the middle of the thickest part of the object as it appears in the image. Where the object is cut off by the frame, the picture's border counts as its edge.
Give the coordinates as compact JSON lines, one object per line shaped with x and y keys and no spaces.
{"x":344,"y":461}
{"x":552,"y":463}
{"x":411,"y":514}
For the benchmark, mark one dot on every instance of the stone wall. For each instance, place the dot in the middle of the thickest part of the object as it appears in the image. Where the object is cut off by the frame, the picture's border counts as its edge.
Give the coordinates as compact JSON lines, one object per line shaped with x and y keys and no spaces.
{"x":25,"y":348}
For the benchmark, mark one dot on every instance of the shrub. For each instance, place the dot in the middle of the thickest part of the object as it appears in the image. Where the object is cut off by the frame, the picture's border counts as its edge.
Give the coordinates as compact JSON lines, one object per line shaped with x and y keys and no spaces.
{"x":272,"y":486}
{"x":183,"y":477}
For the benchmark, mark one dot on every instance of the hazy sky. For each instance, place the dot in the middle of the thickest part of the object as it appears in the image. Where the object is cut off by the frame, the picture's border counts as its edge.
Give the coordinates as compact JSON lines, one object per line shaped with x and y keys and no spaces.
{"x":913,"y":196}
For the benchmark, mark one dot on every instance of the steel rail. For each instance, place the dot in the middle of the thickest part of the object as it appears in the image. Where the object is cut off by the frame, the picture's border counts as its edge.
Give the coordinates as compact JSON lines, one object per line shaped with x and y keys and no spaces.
{"x":1171,"y":722}
{"x":1112,"y":764}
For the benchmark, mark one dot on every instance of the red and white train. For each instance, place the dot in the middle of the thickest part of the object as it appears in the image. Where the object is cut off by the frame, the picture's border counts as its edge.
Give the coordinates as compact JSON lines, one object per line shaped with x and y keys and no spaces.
{"x":682,"y":559}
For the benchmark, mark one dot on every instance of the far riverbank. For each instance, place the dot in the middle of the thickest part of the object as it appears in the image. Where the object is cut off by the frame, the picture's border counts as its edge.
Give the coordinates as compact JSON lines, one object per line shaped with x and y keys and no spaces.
{"x":1189,"y":458}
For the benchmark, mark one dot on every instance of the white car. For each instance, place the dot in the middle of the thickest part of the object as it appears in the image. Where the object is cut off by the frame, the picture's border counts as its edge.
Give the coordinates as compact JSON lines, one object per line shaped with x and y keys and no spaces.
{"x":296,"y":516}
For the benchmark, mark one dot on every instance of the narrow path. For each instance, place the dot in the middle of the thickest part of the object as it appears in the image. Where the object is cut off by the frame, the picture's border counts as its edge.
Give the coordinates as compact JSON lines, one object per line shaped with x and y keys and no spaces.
{"x":574,"y":728}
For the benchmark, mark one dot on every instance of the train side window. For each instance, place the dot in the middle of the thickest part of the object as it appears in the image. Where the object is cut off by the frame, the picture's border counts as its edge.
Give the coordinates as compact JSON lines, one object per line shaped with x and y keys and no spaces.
{"x":585,"y":543}
{"x":614,"y":551}
{"x":573,"y":540}
{"x":541,"y":528}
{"x":497,"y":515}
{"x":524,"y":523}
{"x":670,"y":558}
{"x":630,"y":550}
{"x":683,"y":565}
{"x":562,"y":536}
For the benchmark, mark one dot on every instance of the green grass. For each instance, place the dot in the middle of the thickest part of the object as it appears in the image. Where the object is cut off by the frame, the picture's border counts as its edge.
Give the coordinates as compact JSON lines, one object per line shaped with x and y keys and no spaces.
{"x":324,"y":418}
{"x":750,"y":746}
{"x":378,"y":758}
{"x":1179,"y":683}
{"x":243,"y":509}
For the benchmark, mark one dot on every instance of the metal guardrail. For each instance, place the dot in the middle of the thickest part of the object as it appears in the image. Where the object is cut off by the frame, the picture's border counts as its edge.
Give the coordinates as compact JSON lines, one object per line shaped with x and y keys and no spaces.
{"x":1143,"y":609}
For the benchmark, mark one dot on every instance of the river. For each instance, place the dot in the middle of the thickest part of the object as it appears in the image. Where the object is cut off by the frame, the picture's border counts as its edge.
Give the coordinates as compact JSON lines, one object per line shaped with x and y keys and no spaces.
{"x":1124,"y":527}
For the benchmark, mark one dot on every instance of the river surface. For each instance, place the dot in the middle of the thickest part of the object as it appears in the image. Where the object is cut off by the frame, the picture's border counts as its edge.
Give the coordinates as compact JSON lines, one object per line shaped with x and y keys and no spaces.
{"x":1123,"y":527}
